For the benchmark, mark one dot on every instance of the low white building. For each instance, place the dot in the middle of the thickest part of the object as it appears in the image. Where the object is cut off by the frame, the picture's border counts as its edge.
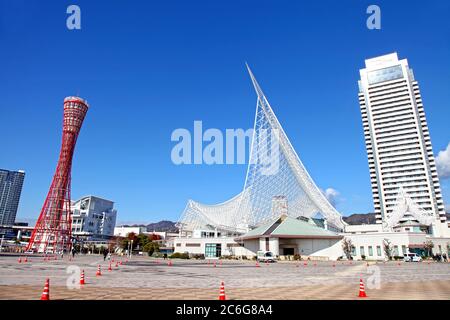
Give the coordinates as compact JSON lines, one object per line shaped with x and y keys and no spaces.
{"x":93,"y":218}
{"x":284,"y":236}
{"x":287,"y":236}
{"x":123,"y":231}
{"x":369,"y":242}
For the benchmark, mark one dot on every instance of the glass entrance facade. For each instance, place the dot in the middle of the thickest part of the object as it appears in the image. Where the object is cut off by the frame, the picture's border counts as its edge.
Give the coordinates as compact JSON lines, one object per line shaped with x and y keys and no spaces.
{"x":213,"y":250}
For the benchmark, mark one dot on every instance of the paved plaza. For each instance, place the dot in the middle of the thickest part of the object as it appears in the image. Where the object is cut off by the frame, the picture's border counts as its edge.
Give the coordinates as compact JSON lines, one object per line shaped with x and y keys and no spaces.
{"x":149,"y":278}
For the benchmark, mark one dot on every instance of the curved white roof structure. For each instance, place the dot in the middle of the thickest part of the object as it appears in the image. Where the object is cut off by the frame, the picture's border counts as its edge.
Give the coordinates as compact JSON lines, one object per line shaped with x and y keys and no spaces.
{"x":276,"y":183}
{"x":406,"y":208}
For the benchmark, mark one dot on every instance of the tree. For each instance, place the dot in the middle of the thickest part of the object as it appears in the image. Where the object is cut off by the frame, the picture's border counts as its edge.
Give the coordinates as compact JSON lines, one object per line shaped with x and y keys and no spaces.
{"x":348,"y":247}
{"x":131,"y":237}
{"x":387,"y":246}
{"x":142,"y":240}
{"x":151,"y":247}
{"x":154,"y":237}
{"x":428,"y":245}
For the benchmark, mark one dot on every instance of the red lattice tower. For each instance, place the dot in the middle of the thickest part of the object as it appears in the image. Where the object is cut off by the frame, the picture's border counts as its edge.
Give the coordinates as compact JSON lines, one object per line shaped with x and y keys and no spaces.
{"x":53,"y":230}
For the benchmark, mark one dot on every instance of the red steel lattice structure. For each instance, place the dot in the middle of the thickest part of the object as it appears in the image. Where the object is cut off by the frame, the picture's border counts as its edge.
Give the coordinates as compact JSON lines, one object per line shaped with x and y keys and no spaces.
{"x":53,"y":230}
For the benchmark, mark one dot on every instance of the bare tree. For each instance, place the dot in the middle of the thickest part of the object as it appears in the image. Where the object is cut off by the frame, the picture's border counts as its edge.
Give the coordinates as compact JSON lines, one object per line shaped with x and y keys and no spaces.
{"x":387,"y":246}
{"x":348,"y":247}
{"x":428,"y":245}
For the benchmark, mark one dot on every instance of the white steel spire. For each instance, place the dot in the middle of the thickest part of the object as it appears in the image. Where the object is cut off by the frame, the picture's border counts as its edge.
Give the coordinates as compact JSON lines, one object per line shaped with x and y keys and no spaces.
{"x":275,"y":176}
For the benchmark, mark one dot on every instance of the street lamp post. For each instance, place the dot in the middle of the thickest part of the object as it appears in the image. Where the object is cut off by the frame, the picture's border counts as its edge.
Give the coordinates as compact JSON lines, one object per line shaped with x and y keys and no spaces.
{"x":131,"y":249}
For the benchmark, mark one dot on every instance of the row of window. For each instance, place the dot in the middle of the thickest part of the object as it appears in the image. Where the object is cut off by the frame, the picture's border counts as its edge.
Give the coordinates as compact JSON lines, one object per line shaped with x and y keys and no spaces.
{"x":370,"y":251}
{"x":393,"y":116}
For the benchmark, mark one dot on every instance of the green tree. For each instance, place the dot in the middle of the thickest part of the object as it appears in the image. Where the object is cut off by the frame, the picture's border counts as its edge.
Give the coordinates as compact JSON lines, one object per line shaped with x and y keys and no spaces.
{"x":142,"y":240}
{"x":151,"y":247}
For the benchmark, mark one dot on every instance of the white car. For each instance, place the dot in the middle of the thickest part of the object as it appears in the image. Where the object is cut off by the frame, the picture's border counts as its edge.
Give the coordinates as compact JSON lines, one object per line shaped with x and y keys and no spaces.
{"x":265,"y":256}
{"x":412,"y":257}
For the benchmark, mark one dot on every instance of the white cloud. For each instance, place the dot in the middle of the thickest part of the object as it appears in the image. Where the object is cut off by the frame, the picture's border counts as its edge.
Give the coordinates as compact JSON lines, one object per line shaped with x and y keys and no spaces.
{"x":443,"y":163}
{"x":332,"y":195}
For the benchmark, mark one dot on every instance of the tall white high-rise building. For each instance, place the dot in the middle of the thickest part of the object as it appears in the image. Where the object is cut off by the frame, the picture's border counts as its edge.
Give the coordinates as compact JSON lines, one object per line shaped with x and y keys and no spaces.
{"x":398,"y":141}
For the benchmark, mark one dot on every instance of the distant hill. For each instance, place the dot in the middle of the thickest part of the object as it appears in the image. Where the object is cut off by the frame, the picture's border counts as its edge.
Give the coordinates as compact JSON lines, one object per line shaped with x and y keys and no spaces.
{"x":360,"y":218}
{"x":164,"y":225}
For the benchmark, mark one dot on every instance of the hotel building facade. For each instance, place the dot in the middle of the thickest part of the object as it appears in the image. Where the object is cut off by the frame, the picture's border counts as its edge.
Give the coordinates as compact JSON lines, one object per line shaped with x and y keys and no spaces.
{"x":398,"y":140}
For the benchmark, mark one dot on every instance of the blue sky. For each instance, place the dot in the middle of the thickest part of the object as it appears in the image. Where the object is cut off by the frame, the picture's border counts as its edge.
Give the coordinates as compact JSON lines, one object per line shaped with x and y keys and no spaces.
{"x":149,"y":67}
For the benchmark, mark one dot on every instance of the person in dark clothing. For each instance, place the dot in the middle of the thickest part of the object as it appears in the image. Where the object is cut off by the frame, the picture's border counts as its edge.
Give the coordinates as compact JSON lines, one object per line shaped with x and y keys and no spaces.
{"x":73,"y":252}
{"x":105,"y":254}
{"x":165,"y":256}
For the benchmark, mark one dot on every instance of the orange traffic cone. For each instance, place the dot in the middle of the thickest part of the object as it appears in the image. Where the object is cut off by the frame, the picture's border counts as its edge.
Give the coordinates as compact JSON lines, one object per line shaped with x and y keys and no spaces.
{"x":117,"y":264}
{"x":82,"y":277}
{"x":257,"y":264}
{"x":46,"y":293}
{"x":25,"y":260}
{"x":109,"y":268}
{"x":99,"y":271}
{"x":19,"y":260}
{"x":120,"y":262}
{"x":362,"y":292}
{"x":305,"y":263}
{"x":222,"y":292}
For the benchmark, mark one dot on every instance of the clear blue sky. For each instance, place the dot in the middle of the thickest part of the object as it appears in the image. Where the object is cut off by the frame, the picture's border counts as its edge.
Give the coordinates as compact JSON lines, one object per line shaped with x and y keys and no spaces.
{"x":149,"y":67}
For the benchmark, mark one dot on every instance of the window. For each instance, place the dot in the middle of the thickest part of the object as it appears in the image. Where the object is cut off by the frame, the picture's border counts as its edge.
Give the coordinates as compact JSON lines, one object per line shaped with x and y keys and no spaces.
{"x":353,"y":251}
{"x":361,"y":251}
{"x":379,"y":251}
{"x":192,"y":244}
{"x":385,"y":74}
{"x":213,"y":250}
{"x":370,"y":251}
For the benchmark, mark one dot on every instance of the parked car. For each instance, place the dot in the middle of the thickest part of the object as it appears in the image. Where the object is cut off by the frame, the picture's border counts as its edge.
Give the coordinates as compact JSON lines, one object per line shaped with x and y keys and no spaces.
{"x":265,"y":256}
{"x":412,"y":257}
